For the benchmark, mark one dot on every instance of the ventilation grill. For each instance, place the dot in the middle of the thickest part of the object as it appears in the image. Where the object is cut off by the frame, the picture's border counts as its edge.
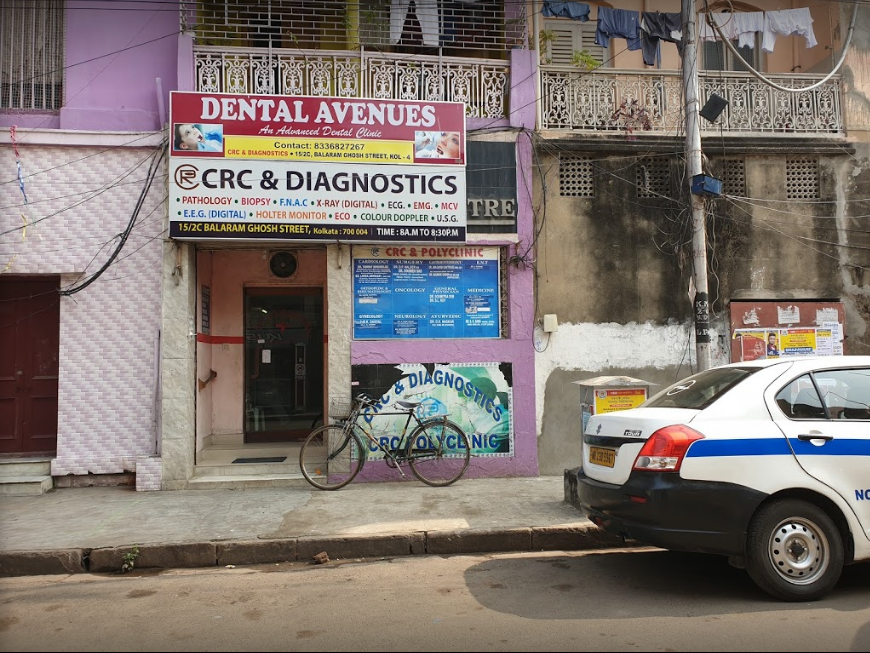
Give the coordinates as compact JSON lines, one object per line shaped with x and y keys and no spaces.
{"x":653,"y":179}
{"x":802,"y":178}
{"x":283,"y":264}
{"x":575,"y":177}
{"x":734,"y":177}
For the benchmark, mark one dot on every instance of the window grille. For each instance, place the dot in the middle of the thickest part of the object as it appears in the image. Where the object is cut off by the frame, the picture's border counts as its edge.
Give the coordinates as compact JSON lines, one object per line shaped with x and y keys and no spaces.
{"x":802,"y":178}
{"x":576,"y":177}
{"x":653,"y":179}
{"x":734,"y":177}
{"x":488,"y":26}
{"x":31,"y":55}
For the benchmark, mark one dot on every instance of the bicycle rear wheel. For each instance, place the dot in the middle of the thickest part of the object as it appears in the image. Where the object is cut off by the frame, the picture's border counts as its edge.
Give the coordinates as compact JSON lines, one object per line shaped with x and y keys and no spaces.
{"x":439,"y":452}
{"x":331,"y":456}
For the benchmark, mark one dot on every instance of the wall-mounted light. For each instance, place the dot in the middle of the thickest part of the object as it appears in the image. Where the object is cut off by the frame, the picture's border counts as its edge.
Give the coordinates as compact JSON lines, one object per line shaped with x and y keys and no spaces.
{"x":714,"y":107}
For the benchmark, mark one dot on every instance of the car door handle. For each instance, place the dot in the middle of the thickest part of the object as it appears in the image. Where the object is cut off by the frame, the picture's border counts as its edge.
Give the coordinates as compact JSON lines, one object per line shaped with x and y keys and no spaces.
{"x":814,"y":436}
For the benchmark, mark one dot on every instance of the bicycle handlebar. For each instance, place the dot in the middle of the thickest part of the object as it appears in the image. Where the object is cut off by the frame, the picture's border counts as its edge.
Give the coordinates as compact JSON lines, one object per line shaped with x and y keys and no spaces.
{"x":364,"y":400}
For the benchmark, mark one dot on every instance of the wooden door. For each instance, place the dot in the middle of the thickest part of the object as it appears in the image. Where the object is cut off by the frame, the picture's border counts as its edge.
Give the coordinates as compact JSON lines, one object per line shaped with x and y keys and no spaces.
{"x":29,"y":350}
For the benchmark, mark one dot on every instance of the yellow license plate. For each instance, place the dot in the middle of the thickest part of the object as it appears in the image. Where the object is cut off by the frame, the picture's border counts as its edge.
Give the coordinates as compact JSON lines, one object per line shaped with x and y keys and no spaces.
{"x":603,"y":457}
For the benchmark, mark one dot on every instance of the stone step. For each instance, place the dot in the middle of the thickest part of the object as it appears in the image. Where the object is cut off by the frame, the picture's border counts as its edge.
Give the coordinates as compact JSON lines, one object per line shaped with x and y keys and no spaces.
{"x":25,"y":467}
{"x":226,"y":454}
{"x":246,"y":482}
{"x":233,"y":439}
{"x":25,"y":486}
{"x":290,"y":466}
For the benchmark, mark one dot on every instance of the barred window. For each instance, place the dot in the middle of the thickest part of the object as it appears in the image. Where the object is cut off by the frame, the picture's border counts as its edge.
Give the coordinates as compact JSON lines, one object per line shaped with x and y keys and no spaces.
{"x":344,"y":25}
{"x":802,"y":178}
{"x":653,"y":178}
{"x":575,"y":177}
{"x":31,"y":55}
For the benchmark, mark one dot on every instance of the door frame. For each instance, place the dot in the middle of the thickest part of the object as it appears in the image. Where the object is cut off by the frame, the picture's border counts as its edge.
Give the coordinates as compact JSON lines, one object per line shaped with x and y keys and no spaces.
{"x":257,"y":290}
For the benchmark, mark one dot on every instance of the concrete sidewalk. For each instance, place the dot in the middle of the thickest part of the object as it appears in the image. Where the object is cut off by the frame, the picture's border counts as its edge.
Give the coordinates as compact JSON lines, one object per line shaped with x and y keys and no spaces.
{"x":76,"y":530}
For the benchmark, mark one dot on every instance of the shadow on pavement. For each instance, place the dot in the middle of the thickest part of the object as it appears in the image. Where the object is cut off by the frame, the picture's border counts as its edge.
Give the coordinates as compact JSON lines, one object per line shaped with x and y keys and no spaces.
{"x":636,"y":584}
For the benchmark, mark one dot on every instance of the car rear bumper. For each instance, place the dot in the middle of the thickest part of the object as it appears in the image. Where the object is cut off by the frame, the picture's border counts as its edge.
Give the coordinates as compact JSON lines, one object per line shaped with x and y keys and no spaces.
{"x":664,"y":510}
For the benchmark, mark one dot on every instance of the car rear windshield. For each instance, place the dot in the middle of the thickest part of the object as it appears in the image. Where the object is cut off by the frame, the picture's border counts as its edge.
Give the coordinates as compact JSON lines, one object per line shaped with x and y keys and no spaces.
{"x":702,"y":389}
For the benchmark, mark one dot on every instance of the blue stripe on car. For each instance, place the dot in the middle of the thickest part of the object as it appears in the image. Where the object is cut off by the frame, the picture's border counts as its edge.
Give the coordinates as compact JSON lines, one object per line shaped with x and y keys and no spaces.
{"x":739,"y":447}
{"x":776,"y":447}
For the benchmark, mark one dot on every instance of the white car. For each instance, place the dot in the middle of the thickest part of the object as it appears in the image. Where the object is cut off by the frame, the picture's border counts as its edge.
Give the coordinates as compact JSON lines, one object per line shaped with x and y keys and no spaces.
{"x":766,"y":462}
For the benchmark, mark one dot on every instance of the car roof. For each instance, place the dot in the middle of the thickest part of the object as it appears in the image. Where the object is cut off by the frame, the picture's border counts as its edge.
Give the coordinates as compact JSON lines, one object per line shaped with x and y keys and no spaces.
{"x":806,"y":362}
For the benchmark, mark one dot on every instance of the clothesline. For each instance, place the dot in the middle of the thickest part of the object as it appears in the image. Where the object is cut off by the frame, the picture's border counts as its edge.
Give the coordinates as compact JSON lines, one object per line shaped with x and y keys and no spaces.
{"x":645,"y":30}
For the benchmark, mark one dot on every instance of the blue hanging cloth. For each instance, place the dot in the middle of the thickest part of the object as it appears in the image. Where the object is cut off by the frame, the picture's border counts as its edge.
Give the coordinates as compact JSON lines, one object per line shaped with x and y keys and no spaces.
{"x":622,"y":23}
{"x":573,"y":10}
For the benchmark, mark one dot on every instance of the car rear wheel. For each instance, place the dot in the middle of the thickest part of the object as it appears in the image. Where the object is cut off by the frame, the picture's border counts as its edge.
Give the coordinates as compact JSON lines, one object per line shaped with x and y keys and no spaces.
{"x":794,"y":551}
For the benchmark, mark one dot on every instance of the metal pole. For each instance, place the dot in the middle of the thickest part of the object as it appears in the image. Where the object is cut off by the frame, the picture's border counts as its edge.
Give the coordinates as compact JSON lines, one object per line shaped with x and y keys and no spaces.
{"x":693,"y":166}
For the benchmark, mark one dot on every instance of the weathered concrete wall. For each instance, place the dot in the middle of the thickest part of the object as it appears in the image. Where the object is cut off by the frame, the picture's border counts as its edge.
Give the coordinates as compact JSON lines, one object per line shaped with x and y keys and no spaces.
{"x":616,"y":267}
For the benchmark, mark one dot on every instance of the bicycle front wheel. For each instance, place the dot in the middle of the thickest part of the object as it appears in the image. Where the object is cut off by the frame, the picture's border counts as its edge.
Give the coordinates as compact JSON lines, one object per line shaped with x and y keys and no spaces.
{"x":439,"y":452}
{"x":331,"y":456}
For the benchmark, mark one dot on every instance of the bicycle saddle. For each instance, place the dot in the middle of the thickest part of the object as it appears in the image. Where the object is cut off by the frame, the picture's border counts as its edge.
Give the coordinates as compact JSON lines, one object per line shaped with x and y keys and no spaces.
{"x":409,"y":404}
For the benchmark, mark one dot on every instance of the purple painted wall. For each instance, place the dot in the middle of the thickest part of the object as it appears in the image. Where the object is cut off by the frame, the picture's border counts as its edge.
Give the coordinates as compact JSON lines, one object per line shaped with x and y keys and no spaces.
{"x":518,"y":349}
{"x":114,"y":53}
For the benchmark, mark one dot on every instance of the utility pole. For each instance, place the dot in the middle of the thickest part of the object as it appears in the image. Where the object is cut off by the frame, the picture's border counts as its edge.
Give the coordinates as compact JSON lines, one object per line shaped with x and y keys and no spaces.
{"x":701,"y":302}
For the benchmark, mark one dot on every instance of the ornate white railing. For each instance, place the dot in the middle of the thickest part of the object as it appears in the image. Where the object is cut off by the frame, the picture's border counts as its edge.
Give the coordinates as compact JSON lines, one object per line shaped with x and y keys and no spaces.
{"x":481,"y":83}
{"x":590,"y":101}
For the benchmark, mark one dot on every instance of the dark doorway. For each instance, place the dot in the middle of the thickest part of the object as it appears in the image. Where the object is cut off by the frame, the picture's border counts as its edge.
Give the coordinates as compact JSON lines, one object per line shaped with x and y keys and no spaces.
{"x":29,"y":350}
{"x":283,"y":362}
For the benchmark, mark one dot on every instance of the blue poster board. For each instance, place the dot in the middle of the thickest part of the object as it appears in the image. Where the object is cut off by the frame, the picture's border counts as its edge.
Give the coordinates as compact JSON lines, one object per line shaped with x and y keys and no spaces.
{"x":454,"y":295}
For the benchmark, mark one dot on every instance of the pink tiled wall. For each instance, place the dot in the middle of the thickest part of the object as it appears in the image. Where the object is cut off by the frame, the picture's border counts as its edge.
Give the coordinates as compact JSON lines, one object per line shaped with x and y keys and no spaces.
{"x":79,"y":200}
{"x":149,"y":474}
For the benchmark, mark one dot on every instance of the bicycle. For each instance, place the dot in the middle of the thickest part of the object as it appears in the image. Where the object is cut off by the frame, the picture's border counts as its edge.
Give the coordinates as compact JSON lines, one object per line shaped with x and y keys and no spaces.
{"x":436,"y":449}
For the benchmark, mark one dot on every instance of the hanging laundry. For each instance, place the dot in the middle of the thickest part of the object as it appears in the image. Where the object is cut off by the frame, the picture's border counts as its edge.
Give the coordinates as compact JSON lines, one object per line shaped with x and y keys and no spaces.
{"x":655,"y":27}
{"x":740,"y":26}
{"x":746,"y":25}
{"x":621,"y":23}
{"x":427,"y":14}
{"x":573,"y":10}
{"x":723,"y":21}
{"x":786,"y":23}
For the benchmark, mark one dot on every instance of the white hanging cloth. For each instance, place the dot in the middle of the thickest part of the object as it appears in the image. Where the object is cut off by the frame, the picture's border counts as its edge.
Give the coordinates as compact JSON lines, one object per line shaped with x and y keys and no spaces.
{"x":740,"y":26}
{"x":427,"y":15}
{"x":746,"y":25}
{"x":786,"y":23}
{"x":722,"y":20}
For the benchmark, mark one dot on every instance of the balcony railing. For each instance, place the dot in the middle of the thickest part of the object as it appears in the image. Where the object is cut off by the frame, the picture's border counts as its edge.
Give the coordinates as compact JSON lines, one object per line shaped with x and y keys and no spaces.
{"x":574,"y":99}
{"x":481,"y":83}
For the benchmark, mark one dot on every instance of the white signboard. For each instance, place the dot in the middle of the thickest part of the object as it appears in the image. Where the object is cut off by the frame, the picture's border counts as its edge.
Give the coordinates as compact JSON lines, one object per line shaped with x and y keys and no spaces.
{"x":232,"y":199}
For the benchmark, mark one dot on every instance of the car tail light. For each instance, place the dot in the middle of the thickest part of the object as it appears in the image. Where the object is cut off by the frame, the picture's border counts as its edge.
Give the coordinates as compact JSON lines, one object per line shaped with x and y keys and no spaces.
{"x":666,"y":448}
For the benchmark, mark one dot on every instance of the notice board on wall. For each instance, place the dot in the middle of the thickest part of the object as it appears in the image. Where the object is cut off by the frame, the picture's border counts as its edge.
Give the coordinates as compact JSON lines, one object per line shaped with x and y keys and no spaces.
{"x":427,"y":292}
{"x":786,"y":329}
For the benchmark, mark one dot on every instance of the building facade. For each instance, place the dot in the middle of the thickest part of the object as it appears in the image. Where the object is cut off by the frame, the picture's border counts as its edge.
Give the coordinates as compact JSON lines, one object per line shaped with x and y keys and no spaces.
{"x":234,"y":348}
{"x":189,"y":360}
{"x":787,"y":237}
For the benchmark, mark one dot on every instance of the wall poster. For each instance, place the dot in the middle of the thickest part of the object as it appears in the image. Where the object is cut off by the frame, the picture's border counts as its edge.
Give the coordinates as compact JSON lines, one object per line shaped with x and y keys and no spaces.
{"x":477,"y":396}
{"x":786,"y":329}
{"x":426,"y":292}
